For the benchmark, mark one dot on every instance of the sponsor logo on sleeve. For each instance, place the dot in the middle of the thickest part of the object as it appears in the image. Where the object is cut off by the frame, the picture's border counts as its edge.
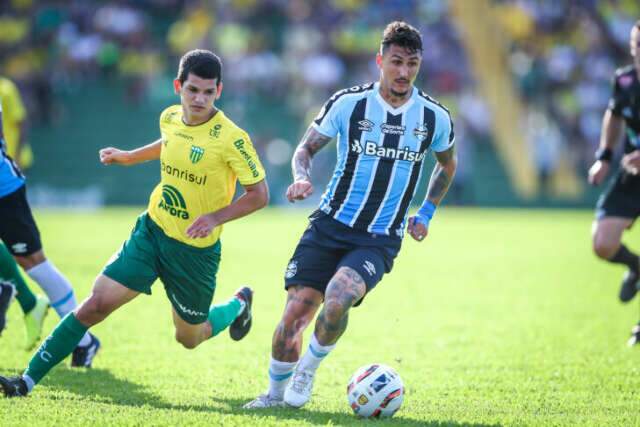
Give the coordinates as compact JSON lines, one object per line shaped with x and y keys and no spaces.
{"x":292,"y":269}
{"x":239,"y":144}
{"x":168,"y":118}
{"x":369,"y":267}
{"x":19,"y":248}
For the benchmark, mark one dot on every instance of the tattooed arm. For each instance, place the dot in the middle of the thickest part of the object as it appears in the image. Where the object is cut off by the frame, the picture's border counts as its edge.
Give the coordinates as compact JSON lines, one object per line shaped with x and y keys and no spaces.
{"x":311,"y":143}
{"x":443,"y":172}
{"x":442,"y":175}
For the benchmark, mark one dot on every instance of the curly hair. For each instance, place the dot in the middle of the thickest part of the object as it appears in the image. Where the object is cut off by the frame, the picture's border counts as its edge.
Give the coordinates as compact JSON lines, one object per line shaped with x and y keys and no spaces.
{"x":401,"y":34}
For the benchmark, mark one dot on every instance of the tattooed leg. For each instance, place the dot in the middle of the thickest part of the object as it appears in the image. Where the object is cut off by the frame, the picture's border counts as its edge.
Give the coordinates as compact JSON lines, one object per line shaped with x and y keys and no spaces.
{"x":344,"y":290}
{"x":300,"y":308}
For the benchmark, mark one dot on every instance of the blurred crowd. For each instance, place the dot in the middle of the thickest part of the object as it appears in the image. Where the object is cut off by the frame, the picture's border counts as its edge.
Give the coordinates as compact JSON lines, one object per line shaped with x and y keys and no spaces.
{"x":563,"y":57}
{"x":287,"y":56}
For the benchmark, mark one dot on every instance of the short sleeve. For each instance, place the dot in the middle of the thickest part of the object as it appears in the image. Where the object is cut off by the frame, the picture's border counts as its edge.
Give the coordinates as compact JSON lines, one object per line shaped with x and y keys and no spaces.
{"x":242,"y":158}
{"x":14,"y":110}
{"x":327,"y":122}
{"x":616,"y":101}
{"x":444,"y":137}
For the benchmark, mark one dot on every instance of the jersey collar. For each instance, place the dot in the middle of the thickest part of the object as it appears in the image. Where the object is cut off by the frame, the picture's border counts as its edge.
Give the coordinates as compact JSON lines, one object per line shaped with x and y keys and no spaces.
{"x":389,"y":108}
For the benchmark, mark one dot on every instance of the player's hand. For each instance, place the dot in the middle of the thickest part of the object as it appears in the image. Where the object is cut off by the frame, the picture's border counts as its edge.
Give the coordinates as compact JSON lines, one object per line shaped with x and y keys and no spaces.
{"x":631,"y":162}
{"x":112,"y":155}
{"x":417,"y":229}
{"x":299,"y":190}
{"x":598,"y":172}
{"x":203,"y":226}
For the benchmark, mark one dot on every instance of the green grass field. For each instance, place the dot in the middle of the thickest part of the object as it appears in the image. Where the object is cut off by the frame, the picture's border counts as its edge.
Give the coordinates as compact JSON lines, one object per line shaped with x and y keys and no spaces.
{"x":501,"y":317}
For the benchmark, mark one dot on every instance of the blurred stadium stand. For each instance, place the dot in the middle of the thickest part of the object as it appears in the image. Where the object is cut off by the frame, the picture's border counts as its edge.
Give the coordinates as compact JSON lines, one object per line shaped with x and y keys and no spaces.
{"x":527,"y":82}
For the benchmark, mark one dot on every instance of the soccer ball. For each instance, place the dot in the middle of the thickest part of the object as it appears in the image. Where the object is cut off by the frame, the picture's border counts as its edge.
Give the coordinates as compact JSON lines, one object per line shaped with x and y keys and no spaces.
{"x":375,"y":391}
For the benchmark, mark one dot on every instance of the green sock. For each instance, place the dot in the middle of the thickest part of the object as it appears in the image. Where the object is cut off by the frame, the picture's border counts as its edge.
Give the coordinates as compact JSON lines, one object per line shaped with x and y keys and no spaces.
{"x":222,"y":315}
{"x":9,"y":271}
{"x":62,"y":341}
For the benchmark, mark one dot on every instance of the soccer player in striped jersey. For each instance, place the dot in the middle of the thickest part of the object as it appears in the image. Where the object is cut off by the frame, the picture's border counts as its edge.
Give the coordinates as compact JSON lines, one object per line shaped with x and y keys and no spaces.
{"x":384,"y":131}
{"x":21,"y":243}
{"x":202,"y":154}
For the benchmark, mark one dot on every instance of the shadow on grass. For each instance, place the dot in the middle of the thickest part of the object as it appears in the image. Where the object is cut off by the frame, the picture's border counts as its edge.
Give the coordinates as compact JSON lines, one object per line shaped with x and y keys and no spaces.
{"x":104,"y":386}
{"x":323,"y":417}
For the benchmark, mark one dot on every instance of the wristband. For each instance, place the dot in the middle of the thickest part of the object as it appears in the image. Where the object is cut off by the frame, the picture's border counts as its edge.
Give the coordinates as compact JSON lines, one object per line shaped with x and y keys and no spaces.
{"x":425,"y":213}
{"x":604,"y":154}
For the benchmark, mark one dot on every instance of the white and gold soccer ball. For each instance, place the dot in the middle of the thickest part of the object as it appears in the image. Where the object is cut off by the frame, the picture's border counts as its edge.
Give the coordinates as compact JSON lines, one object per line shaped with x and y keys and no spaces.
{"x":375,"y":391}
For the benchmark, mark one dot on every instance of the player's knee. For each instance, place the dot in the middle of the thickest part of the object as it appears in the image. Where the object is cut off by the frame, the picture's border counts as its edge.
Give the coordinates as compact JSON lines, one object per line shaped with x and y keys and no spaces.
{"x":334,"y":310}
{"x":292,"y":327}
{"x":604,"y":249}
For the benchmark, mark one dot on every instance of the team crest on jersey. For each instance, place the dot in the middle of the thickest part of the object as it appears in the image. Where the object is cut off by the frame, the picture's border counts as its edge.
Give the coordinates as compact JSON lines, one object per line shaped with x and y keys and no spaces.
{"x":168,"y":118}
{"x":196,"y":154}
{"x":292,"y":269}
{"x":421,"y":132}
{"x":625,"y":80}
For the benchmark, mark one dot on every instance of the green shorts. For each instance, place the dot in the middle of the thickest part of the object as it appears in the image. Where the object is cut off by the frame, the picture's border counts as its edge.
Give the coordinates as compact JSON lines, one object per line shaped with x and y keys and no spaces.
{"x":187,"y":272}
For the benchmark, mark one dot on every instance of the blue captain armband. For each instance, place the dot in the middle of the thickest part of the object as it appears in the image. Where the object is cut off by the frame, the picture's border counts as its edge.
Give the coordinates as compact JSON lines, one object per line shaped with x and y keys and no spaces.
{"x":425,"y":213}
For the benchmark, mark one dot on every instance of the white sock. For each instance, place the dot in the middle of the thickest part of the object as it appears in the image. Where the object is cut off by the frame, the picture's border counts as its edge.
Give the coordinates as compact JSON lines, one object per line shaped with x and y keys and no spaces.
{"x":55,"y":285}
{"x":315,"y":353}
{"x":279,"y":375}
{"x":29,"y":382}
{"x":85,"y":341}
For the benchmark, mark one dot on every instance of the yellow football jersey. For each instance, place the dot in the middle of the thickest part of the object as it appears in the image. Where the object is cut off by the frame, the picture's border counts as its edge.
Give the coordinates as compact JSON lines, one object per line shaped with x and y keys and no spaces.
{"x":13,"y":113}
{"x":199,"y":167}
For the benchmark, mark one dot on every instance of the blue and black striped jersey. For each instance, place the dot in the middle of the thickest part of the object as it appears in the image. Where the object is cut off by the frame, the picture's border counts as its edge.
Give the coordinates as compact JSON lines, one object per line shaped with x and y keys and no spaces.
{"x":381,"y":150}
{"x":11,"y":177}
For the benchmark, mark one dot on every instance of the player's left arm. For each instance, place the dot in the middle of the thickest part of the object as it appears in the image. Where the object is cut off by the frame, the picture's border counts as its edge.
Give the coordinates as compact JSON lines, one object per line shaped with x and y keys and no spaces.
{"x":441,"y":178}
{"x":256,"y":196}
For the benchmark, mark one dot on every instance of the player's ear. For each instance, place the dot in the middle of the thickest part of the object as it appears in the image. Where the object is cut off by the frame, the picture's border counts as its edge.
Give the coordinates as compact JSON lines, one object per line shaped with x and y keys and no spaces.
{"x":177,"y":86}
{"x":379,"y":60}
{"x":218,"y":91}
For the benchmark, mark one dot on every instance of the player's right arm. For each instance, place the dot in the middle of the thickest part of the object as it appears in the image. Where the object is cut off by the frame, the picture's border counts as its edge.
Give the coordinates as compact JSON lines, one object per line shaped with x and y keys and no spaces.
{"x":612,"y":128}
{"x":111,"y":155}
{"x":312,"y":142}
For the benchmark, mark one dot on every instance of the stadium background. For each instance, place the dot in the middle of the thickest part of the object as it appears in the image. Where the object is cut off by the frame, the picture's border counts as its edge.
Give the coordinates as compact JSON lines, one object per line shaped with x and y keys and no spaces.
{"x":527,"y":83}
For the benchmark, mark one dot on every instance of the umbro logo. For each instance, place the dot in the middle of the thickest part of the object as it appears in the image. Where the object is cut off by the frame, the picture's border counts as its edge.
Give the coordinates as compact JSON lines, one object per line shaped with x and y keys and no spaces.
{"x":365,"y":125}
{"x":19,"y":248}
{"x":371,"y":269}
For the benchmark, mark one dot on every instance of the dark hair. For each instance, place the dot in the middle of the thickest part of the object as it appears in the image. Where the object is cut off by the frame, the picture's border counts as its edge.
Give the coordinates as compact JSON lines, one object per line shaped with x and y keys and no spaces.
{"x":203,"y":63}
{"x":401,"y":34}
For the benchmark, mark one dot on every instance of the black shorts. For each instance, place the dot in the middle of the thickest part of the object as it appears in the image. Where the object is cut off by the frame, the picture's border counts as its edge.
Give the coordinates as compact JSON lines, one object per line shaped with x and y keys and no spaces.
{"x":327,"y":244}
{"x":621,"y":198}
{"x":18,"y":229}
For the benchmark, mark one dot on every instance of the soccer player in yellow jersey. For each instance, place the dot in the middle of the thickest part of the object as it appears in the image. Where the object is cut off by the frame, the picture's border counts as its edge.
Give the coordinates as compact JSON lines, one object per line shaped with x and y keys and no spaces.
{"x":14,"y":116}
{"x":202,"y":154}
